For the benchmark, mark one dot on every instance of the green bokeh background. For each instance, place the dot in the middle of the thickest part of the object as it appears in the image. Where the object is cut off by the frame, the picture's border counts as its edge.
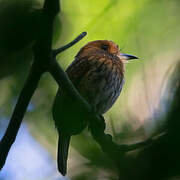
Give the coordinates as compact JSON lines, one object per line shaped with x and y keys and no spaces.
{"x":148,"y":29}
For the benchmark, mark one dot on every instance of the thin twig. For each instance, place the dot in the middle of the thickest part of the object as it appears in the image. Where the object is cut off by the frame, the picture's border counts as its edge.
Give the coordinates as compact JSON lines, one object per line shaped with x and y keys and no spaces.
{"x":63,"y":48}
{"x":131,"y":147}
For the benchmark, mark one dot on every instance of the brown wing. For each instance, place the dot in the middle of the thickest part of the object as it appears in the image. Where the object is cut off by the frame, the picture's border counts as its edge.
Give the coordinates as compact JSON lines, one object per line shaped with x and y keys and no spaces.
{"x":77,"y":69}
{"x":70,"y":123}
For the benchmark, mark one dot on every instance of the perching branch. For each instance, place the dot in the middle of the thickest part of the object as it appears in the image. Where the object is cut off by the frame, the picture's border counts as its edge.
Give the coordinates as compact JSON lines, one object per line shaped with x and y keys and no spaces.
{"x":42,"y":57}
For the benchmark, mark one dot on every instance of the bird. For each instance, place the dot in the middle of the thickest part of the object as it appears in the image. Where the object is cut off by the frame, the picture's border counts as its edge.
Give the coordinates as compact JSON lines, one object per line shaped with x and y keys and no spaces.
{"x":97,"y":72}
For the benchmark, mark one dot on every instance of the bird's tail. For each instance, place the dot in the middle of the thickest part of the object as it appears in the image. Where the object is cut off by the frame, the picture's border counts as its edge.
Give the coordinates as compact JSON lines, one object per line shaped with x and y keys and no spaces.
{"x":63,"y":146}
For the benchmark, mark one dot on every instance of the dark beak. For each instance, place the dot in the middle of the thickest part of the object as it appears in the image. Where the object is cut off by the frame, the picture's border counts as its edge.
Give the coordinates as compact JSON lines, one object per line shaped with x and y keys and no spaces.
{"x":127,"y":57}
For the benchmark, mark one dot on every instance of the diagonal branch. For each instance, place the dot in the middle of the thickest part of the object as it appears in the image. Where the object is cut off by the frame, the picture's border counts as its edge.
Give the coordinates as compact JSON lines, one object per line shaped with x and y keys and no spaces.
{"x":19,"y":112}
{"x":43,"y":54}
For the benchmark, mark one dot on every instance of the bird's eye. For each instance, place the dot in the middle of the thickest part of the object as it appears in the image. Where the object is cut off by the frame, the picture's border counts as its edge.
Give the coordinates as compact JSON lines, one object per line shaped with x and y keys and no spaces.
{"x":105,"y":47}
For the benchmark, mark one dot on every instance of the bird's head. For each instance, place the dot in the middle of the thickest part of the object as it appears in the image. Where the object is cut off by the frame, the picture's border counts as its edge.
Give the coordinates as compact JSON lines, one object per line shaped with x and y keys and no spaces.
{"x":105,"y":47}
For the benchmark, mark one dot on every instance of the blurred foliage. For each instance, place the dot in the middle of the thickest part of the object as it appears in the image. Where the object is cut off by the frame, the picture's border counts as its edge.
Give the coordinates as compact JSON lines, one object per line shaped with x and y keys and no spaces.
{"x":146,"y":28}
{"x":17,"y":19}
{"x":20,"y":22}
